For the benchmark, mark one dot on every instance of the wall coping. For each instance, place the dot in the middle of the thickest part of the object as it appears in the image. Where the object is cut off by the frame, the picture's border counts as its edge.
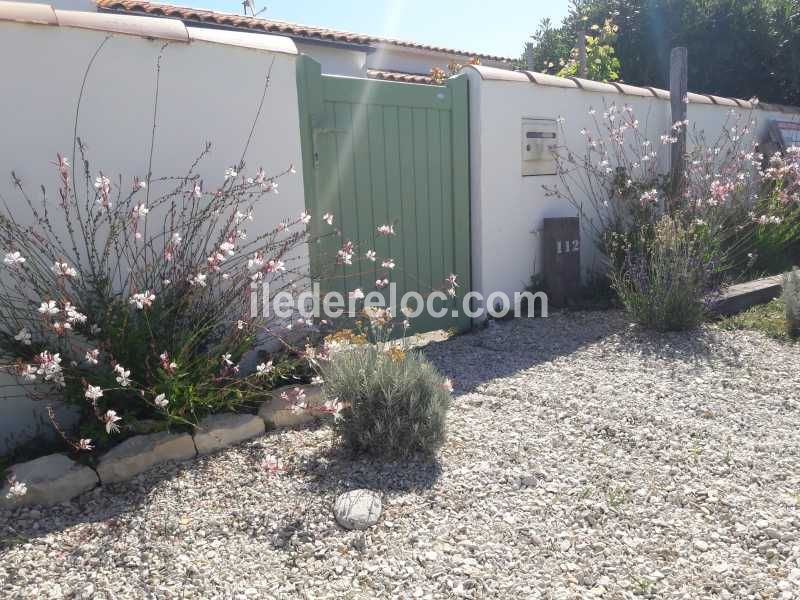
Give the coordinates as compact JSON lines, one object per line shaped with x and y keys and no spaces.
{"x":145,"y":27}
{"x":495,"y":74}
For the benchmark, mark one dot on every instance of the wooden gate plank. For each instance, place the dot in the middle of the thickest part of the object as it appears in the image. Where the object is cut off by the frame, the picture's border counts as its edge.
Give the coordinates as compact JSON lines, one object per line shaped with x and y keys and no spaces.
{"x":386,"y":152}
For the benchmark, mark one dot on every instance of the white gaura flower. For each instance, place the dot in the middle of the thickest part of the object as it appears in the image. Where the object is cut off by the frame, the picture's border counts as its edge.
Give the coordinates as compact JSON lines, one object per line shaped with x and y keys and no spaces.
{"x":328,"y":218}
{"x":17,"y":489}
{"x":371,"y":255}
{"x":381,"y":283}
{"x":386,"y":229}
{"x":24,"y":337}
{"x":333,"y":406}
{"x":140,"y":210}
{"x":198,"y":280}
{"x":240,"y":217}
{"x":227,"y":248}
{"x":240,"y":324}
{"x":297,"y":398}
{"x":103,"y":184}
{"x":230,"y":173}
{"x":273,"y":464}
{"x":85,"y":444}
{"x":161,"y":401}
{"x":305,"y":218}
{"x":92,"y":356}
{"x":256,"y":263}
{"x":63,"y":269}
{"x":61,"y":328}
{"x":226,"y":358}
{"x":264,"y":368}
{"x":142,"y":300}
{"x":123,"y":375}
{"x":111,"y":419}
{"x":198,"y":191}
{"x":275,"y":266}
{"x":356,"y":294}
{"x":93,"y":392}
{"x":49,"y":366}
{"x":388,"y":264}
{"x":13,"y":259}
{"x":28,"y":373}
{"x":73,"y":316}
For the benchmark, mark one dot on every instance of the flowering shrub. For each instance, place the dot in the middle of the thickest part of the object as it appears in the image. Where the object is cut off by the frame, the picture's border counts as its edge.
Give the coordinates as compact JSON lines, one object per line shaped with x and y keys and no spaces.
{"x":619,"y":188}
{"x":776,"y":232}
{"x":389,"y":401}
{"x":133,"y":304}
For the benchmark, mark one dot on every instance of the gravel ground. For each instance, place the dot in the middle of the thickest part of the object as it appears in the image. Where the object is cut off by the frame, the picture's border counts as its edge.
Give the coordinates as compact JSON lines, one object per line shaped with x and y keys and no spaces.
{"x":585,"y":459}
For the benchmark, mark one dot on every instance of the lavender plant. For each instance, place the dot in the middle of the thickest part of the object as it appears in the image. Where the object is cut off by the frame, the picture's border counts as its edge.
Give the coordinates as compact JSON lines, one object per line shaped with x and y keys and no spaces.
{"x":388,"y":400}
{"x":791,"y":301}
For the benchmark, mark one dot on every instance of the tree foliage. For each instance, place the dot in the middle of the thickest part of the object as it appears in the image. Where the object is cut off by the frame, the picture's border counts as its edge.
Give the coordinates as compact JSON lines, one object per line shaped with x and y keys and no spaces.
{"x":737,"y":48}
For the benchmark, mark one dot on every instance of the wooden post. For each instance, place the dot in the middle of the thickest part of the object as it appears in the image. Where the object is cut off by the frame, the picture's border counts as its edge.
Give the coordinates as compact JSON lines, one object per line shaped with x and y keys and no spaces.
{"x":678,"y":89}
{"x":582,"y":55}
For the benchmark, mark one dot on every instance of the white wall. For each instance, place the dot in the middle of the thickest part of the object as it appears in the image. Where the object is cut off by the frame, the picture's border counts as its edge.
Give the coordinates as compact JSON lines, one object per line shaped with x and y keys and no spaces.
{"x":508,"y":209}
{"x":209,"y":91}
{"x":411,"y":60}
{"x":336,"y":61}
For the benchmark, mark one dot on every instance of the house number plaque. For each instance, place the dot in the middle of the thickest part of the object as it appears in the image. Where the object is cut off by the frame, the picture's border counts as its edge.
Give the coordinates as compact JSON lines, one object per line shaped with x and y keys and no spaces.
{"x":562,"y":259}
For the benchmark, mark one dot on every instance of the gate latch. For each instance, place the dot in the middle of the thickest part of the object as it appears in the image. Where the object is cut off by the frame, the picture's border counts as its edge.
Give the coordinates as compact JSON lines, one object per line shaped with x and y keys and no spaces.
{"x":323,"y":131}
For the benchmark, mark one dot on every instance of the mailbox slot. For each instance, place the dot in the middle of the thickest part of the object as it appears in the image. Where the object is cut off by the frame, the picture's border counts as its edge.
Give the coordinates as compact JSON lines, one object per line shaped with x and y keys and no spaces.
{"x":539,"y":136}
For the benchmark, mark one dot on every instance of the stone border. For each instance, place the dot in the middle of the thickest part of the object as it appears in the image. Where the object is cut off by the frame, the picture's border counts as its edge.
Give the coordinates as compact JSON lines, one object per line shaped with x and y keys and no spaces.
{"x":740,"y":297}
{"x":57,"y":478}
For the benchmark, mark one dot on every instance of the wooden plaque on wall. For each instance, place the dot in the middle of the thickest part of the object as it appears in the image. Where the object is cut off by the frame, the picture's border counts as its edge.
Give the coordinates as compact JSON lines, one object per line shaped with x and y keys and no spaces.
{"x":562,"y":259}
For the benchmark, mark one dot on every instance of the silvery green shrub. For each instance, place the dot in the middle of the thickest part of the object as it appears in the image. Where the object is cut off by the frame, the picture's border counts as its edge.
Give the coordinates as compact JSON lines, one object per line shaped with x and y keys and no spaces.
{"x":791,"y":299}
{"x":393,"y":402}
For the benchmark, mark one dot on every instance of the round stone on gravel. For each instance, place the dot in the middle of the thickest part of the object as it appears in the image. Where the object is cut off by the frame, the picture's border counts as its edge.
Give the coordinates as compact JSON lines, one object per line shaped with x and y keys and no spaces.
{"x":358,"y":509}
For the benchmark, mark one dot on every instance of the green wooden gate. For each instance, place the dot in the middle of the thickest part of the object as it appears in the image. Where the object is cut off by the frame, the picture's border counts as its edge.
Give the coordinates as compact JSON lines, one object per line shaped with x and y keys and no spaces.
{"x":380,"y":152}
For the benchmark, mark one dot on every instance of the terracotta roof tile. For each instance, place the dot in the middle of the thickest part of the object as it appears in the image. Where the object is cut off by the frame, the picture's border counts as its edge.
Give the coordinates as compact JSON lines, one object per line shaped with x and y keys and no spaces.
{"x":281,"y":27}
{"x":397,"y":76}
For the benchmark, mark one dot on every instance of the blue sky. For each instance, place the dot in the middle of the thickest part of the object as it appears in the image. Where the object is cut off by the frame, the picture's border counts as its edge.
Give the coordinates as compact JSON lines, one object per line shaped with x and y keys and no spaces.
{"x":500,"y":27}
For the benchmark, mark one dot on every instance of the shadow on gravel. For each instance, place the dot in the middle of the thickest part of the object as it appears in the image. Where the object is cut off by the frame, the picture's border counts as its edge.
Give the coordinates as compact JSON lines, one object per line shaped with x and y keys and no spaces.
{"x":695,"y":346}
{"x":337,"y":470}
{"x":103,"y":504}
{"x":502,"y":348}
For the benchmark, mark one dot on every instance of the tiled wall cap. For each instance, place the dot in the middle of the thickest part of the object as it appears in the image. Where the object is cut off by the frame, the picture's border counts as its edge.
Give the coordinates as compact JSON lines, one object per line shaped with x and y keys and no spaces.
{"x":495,"y":74}
{"x":24,"y":12}
{"x":551,"y":80}
{"x":720,"y":101}
{"x":595,"y":86}
{"x":148,"y":27}
{"x":257,"y":41}
{"x":632,"y":90}
{"x":659,"y":93}
{"x":698,"y":98}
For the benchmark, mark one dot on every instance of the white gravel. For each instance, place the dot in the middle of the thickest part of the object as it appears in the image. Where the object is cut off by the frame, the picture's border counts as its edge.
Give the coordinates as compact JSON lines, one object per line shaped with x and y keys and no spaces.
{"x":585,"y":459}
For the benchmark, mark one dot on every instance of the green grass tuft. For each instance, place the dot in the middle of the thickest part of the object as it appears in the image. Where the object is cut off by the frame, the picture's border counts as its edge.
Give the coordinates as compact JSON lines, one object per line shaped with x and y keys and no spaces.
{"x":769,"y":319}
